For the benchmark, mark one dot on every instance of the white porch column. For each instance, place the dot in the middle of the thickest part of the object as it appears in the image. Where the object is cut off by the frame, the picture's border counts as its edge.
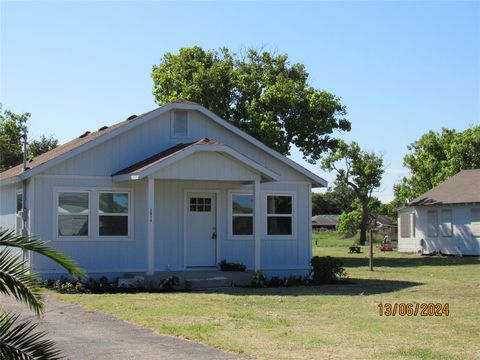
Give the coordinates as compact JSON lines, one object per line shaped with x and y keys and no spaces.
{"x":257,"y":222}
{"x":150,"y":226}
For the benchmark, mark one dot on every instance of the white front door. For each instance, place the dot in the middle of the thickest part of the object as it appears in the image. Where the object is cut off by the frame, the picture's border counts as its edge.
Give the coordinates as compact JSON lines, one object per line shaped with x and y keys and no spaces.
{"x":201,"y":231}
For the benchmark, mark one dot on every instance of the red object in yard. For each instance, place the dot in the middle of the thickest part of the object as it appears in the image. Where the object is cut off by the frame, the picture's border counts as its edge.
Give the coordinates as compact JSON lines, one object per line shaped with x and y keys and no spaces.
{"x":386,"y":247}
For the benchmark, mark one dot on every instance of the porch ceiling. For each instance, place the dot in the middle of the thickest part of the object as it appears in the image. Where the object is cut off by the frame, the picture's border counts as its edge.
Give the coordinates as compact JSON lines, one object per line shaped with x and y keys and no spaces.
{"x":201,"y":160}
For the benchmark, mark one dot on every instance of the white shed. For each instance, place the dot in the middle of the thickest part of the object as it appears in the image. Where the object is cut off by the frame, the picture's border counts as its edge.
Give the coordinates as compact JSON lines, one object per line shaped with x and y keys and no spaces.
{"x":445,"y":219}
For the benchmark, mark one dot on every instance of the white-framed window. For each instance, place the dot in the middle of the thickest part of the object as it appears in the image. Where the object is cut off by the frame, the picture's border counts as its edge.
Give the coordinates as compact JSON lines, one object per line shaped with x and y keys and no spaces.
{"x":445,"y":227}
{"x":414,"y":224}
{"x":93,"y":214}
{"x":19,"y":209}
{"x":432,"y":223}
{"x":179,"y":124}
{"x":19,"y":202}
{"x":241,"y":209}
{"x":73,"y":213}
{"x":113,"y":213}
{"x":475,"y":222}
{"x":405,"y":225}
{"x":280,"y":219}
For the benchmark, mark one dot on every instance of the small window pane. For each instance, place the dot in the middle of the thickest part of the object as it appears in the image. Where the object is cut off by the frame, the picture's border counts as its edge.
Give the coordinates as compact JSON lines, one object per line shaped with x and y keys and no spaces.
{"x":73,"y":225}
{"x":113,"y":203}
{"x":242,"y":225}
{"x":73,"y":203}
{"x":242,"y":204}
{"x":475,"y":221}
{"x":414,"y":224}
{"x":19,"y":202}
{"x":279,"y":225}
{"x":279,"y":204}
{"x":432,"y":223}
{"x":180,"y":123}
{"x":446,"y":223}
{"x":113,"y":225}
{"x":405,"y":225}
{"x":200,"y":204}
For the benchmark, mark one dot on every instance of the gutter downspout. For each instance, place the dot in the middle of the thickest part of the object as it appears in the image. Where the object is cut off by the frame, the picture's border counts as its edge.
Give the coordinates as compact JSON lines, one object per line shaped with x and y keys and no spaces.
{"x":26,"y":254}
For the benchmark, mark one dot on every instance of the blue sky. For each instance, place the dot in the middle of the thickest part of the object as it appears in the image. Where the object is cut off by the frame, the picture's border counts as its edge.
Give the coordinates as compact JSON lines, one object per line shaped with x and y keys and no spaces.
{"x":401,"y":68}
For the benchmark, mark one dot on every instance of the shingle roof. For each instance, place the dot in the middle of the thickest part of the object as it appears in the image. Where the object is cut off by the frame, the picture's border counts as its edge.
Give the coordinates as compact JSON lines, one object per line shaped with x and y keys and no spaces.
{"x":462,"y":188}
{"x":71,"y":145}
{"x":325,"y":220}
{"x":161,"y":156}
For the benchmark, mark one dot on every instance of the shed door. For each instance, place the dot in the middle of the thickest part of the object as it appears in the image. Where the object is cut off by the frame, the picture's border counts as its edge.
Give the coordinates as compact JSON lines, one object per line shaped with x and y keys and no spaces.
{"x":201,"y":230}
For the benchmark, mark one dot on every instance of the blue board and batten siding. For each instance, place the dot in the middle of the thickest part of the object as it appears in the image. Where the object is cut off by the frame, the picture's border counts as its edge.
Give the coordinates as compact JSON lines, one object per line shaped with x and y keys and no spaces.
{"x":91,"y":170}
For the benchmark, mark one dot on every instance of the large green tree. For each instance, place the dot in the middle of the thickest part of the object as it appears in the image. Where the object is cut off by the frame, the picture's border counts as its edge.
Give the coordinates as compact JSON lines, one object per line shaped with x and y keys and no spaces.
{"x":360,"y":170}
{"x":435,"y":157}
{"x":11,"y":128}
{"x":42,"y":145}
{"x":260,"y":92}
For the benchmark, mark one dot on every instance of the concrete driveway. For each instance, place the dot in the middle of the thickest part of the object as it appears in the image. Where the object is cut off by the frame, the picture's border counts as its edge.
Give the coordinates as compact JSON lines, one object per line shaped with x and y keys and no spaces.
{"x":83,"y":334}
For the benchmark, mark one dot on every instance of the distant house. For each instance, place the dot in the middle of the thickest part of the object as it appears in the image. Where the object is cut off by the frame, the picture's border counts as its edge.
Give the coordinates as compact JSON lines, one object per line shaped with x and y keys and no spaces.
{"x":175,"y":189}
{"x":385,"y":225}
{"x":324,"y":222}
{"x":445,"y":219}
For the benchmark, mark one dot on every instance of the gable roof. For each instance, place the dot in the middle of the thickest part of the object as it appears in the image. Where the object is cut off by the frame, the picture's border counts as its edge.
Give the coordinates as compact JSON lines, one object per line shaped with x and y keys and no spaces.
{"x":325,"y":220}
{"x":169,"y":156}
{"x":462,"y":188}
{"x":89,"y":140}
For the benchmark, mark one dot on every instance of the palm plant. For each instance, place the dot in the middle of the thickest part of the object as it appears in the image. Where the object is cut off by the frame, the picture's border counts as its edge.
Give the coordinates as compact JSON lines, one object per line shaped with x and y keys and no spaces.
{"x":18,"y":340}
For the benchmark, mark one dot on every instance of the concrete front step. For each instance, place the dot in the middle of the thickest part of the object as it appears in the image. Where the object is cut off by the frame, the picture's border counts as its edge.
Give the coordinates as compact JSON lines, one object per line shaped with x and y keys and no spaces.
{"x":199,"y":279}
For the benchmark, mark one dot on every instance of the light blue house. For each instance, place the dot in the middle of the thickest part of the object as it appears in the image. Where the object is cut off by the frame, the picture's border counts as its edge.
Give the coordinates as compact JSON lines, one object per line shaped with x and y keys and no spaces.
{"x":175,"y":189}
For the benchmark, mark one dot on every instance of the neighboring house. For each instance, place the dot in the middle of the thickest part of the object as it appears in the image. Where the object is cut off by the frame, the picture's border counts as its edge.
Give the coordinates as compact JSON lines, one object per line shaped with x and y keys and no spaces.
{"x":445,"y":219}
{"x":324,"y":222}
{"x":177,"y":188}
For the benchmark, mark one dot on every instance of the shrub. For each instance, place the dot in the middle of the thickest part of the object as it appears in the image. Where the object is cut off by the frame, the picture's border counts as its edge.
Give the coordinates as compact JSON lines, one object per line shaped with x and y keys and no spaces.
{"x":229,"y":266}
{"x":326,"y":270}
{"x":258,"y":279}
{"x":169,"y":283}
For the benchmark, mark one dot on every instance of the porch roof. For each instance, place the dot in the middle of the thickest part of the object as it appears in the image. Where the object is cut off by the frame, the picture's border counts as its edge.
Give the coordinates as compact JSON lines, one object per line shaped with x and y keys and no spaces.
{"x":155,"y":163}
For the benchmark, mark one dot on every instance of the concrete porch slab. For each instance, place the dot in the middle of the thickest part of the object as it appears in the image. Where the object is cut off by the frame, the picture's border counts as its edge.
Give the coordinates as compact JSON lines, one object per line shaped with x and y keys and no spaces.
{"x":202,"y":279}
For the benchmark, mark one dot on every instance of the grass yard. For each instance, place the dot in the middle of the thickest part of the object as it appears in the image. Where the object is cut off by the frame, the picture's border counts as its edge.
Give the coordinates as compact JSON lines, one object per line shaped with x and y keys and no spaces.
{"x":324,"y":322}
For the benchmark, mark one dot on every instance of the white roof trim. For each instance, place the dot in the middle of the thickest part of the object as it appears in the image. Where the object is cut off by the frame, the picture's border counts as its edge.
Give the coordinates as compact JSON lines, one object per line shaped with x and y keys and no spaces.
{"x":11,"y":180}
{"x":316,"y":180}
{"x":256,"y":167}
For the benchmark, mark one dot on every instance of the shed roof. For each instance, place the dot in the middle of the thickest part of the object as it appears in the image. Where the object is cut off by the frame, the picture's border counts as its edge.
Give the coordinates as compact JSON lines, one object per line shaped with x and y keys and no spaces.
{"x":325,"y":220}
{"x":462,"y":188}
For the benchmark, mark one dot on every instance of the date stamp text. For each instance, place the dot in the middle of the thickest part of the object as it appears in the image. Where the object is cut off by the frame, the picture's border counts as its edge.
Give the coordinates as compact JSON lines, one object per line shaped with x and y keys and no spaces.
{"x":413,"y":309}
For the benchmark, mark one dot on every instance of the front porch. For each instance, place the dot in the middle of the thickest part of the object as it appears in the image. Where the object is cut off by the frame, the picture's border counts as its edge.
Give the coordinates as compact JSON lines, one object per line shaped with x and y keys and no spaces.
{"x":186,"y":193}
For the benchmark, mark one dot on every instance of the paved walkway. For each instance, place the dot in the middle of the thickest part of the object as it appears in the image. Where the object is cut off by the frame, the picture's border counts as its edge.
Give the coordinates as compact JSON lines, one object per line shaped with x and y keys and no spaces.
{"x":84,"y":335}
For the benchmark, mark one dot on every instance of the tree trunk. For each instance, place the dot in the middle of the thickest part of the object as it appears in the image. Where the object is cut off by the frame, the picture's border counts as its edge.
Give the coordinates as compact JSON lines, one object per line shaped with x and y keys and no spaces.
{"x":364,"y":222}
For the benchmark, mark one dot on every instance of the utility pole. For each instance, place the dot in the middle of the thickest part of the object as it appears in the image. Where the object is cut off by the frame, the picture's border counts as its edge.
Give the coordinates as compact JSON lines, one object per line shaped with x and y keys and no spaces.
{"x":370,"y":255}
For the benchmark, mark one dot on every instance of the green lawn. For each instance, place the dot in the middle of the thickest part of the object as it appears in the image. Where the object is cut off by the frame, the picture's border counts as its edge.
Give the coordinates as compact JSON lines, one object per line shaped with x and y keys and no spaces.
{"x":331,"y":321}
